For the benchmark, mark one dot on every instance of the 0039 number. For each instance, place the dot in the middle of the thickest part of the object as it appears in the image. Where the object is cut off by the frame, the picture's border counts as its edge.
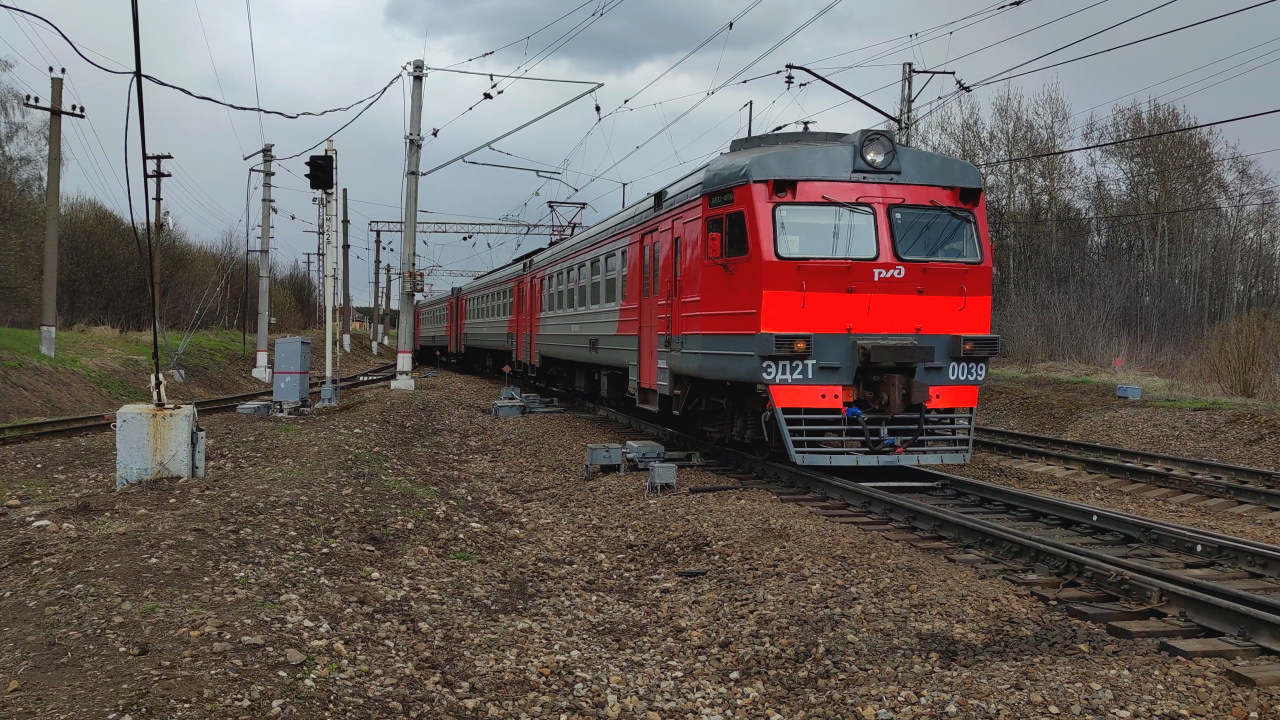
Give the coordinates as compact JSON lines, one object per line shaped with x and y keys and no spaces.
{"x":967,"y":371}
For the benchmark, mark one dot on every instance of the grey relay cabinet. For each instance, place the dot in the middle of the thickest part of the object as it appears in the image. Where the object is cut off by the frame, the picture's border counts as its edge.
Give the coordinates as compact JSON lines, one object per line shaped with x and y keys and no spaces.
{"x":292,"y":373}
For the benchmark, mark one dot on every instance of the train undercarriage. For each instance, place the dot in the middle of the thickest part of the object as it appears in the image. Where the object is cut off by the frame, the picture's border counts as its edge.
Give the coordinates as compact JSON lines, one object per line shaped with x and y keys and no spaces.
{"x":881,"y":419}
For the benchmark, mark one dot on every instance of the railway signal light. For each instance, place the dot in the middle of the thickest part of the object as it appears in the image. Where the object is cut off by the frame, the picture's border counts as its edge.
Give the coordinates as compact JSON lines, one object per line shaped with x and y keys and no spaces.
{"x":321,"y":172}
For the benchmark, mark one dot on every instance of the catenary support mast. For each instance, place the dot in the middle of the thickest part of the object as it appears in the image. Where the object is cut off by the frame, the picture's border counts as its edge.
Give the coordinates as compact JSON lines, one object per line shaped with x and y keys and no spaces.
{"x":375,"y":328}
{"x":346,"y":277}
{"x":262,"y":368}
{"x":405,"y":339}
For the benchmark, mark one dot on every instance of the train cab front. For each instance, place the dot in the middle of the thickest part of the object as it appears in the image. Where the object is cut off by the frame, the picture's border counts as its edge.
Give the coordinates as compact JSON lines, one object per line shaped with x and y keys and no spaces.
{"x":875,"y":302}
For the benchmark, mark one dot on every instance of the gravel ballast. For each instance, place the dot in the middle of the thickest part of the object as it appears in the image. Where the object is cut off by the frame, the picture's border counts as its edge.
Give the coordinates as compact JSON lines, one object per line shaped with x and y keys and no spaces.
{"x":408,"y":555}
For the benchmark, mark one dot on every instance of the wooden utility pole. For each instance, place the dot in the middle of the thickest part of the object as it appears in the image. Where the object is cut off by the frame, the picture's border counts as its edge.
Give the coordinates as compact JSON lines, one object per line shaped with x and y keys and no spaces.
{"x":315,"y":297}
{"x":52,"y":211}
{"x":346,"y":277}
{"x":375,"y":329}
{"x":158,"y":174}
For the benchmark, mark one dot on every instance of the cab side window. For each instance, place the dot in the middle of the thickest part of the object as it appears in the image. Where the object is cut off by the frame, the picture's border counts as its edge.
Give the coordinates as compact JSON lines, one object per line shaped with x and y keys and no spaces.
{"x":732,"y":229}
{"x":735,"y":237}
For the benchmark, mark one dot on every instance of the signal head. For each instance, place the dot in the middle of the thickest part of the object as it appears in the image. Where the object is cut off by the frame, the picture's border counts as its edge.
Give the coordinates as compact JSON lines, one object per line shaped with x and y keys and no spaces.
{"x":320,"y":172}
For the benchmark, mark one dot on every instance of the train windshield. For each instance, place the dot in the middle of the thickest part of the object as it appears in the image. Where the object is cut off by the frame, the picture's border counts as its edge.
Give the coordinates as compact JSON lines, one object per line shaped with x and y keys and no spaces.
{"x":847,"y":232}
{"x":936,"y":233}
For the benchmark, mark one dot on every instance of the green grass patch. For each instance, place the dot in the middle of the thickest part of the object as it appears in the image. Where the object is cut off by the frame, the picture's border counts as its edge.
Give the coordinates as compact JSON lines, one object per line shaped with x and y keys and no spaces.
{"x":422,"y":492}
{"x":462,"y":556}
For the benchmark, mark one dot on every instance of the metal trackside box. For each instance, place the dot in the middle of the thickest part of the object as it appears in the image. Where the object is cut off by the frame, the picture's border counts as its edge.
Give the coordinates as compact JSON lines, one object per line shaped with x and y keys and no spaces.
{"x":606,"y":456}
{"x":645,"y":452}
{"x":292,"y":371}
{"x":1132,"y":392}
{"x":507,"y":408}
{"x":662,"y":476}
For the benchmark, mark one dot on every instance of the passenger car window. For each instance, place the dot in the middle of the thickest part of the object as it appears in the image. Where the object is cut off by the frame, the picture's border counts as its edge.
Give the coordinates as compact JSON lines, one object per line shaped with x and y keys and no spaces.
{"x":644,"y":271}
{"x":610,"y":279}
{"x":657,"y":262}
{"x":595,"y":283}
{"x":934,"y":233}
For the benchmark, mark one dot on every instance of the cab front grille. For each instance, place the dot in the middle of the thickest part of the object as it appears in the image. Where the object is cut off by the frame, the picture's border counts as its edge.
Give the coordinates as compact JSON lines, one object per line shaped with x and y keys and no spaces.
{"x":975,"y":346}
{"x":792,"y":344}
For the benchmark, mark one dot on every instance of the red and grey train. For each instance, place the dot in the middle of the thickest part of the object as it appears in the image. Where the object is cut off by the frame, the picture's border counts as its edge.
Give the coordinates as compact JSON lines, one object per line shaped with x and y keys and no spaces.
{"x":822,"y":296}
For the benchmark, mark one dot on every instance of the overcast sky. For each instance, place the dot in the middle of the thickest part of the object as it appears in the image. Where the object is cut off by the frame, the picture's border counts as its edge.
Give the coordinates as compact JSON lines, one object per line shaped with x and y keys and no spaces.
{"x":317,"y":54}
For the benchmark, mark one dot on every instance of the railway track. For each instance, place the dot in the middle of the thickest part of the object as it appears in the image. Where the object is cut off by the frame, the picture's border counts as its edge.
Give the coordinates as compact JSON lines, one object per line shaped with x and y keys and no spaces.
{"x":62,"y":427}
{"x":1203,"y":593}
{"x":1183,"y":480}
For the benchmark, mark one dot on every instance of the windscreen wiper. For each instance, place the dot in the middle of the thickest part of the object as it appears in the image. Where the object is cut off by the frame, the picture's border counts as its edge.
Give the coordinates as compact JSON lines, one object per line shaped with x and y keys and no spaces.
{"x":953,"y":213}
{"x":855,"y":208}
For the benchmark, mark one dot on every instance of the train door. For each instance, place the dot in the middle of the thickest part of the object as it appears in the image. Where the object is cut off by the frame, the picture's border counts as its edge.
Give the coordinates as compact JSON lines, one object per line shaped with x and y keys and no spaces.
{"x":514,"y":324}
{"x":647,"y":389}
{"x":450,"y":319}
{"x":459,"y":321}
{"x":671,"y":285}
{"x":524,"y":324}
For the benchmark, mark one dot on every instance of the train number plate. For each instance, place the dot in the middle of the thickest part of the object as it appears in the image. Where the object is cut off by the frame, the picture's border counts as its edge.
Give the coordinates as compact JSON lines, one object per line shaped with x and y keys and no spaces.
{"x":972,"y":371}
{"x":784,"y":371}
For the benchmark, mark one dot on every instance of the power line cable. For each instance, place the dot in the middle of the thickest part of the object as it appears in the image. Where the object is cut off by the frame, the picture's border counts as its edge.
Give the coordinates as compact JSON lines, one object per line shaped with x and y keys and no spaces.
{"x":814,"y":18}
{"x":1131,"y":43}
{"x":992,"y":78}
{"x":373,"y":100}
{"x":253,"y":59}
{"x":1096,"y":146}
{"x":530,"y":36}
{"x":218,"y":78}
{"x":191,"y":93}
{"x":723,"y":28}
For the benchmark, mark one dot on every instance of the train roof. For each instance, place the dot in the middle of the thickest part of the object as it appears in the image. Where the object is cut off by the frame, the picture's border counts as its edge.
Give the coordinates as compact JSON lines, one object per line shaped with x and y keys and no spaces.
{"x":775,"y":156}
{"x":831,"y":156}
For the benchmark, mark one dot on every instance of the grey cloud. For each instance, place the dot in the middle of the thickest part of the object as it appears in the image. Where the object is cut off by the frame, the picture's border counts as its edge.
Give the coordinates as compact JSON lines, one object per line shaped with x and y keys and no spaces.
{"x":633,"y":32}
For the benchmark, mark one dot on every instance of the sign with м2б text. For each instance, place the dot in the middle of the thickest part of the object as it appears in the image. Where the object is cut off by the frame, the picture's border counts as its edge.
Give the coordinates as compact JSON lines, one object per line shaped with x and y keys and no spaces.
{"x":720,"y":199}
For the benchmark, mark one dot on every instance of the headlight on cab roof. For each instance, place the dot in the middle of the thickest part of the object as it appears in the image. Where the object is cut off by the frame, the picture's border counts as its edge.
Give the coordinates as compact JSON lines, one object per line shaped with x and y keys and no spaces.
{"x":878,"y":151}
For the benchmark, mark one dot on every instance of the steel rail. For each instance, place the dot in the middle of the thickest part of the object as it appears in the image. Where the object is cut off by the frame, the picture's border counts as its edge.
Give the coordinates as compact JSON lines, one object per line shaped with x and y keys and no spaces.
{"x":1213,"y":605}
{"x":1255,"y":486}
{"x":39,"y":429}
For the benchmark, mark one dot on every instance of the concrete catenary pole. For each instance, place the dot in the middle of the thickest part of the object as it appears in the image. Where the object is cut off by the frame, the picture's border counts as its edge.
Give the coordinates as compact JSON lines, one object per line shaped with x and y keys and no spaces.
{"x":262,"y":369}
{"x":346,"y":277}
{"x":905,"y":104}
{"x":404,"y":337}
{"x":375,"y":329}
{"x":158,"y":174}
{"x":386,"y":304}
{"x":52,"y":211}
{"x":329,"y":390}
